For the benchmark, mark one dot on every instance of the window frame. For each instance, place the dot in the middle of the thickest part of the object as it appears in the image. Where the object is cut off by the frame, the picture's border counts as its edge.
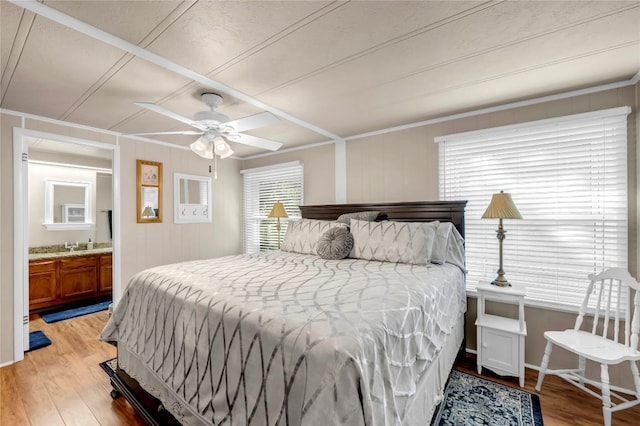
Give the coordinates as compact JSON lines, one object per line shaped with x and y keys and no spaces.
{"x":486,"y":233}
{"x":257,"y":207}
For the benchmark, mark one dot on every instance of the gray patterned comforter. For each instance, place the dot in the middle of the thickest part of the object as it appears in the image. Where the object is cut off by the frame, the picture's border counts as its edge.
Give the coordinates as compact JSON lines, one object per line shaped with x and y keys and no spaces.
{"x":284,"y":338}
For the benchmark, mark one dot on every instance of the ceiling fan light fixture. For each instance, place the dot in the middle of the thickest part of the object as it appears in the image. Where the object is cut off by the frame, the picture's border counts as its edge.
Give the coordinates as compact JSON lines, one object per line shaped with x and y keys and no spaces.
{"x":222,"y":148}
{"x":219,"y":144}
{"x":212,"y":124}
{"x":229,"y":153}
{"x":203,"y":148}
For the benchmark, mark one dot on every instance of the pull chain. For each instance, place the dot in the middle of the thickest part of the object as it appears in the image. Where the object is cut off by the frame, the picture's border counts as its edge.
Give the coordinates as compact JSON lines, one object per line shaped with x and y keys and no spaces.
{"x":215,"y":166}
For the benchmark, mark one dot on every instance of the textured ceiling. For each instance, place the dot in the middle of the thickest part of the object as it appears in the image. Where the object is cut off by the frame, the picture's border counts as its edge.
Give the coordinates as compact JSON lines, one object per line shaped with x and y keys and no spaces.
{"x":345,"y":67}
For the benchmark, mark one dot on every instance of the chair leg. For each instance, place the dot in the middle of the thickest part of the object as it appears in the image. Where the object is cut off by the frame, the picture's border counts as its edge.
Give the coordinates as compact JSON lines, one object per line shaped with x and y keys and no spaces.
{"x":636,"y":377}
{"x":581,"y":367}
{"x":606,"y":394}
{"x":544,"y":364}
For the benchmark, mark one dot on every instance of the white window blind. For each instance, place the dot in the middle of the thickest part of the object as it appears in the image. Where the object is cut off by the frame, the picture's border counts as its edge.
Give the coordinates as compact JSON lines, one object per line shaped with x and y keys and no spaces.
{"x":264,"y":186}
{"x":568,"y":178}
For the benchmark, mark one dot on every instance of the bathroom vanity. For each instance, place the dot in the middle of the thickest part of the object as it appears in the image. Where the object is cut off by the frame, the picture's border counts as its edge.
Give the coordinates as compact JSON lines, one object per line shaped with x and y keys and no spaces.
{"x":57,"y":279}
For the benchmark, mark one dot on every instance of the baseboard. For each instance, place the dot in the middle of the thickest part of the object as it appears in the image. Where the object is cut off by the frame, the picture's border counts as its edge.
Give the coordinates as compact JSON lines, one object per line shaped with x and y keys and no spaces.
{"x":5,"y":364}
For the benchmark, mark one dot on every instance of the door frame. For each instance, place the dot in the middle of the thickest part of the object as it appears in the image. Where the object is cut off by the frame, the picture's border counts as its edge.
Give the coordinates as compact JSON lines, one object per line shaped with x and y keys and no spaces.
{"x":21,"y":228}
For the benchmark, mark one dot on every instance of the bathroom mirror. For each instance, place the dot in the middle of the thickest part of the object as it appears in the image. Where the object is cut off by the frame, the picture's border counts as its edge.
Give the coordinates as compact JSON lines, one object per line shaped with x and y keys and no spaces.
{"x":67,"y":205}
{"x":192,"y":195}
{"x":149,"y":191}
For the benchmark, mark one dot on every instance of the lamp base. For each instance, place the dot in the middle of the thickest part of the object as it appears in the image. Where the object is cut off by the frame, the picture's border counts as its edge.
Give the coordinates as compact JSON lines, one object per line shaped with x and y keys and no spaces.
{"x":501,"y":281}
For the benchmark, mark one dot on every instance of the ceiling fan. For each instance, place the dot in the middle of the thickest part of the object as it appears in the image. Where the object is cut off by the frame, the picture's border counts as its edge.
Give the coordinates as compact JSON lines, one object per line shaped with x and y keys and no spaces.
{"x":216,"y":129}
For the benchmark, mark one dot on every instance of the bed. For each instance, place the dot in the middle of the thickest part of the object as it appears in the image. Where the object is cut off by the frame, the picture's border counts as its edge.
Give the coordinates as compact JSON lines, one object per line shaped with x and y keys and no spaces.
{"x":290,"y":338}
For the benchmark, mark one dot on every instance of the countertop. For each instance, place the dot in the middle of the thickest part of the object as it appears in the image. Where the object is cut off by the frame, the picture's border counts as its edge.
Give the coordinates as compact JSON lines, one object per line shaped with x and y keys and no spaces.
{"x":62,"y":254}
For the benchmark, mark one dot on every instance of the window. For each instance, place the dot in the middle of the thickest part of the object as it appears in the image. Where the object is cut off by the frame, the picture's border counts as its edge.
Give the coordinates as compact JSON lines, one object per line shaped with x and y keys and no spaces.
{"x":264,"y":186}
{"x":568,"y":178}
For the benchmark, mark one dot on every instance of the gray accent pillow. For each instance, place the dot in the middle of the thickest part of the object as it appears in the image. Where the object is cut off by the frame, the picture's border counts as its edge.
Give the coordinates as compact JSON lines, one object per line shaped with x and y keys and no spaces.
{"x":335,"y":244}
{"x":369,"y":216}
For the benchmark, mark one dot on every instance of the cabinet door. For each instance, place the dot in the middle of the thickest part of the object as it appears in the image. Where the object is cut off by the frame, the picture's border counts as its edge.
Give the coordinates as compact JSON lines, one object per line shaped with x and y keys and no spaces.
{"x":42,"y":284}
{"x":500,"y":351}
{"x":106,"y":273}
{"x":78,"y":277}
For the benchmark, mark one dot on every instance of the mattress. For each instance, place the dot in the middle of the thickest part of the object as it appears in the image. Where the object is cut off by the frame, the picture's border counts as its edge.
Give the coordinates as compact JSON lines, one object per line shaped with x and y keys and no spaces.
{"x":286,"y":338}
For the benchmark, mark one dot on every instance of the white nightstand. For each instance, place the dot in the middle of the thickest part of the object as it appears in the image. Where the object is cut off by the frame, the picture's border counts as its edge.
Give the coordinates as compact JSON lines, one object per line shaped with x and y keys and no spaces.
{"x":501,"y":339}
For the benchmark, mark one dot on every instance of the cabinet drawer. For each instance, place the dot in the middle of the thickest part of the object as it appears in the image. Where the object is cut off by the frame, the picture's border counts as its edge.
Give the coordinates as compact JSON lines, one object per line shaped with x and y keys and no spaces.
{"x":42,"y":266}
{"x":105,"y":259}
{"x":77,"y":262}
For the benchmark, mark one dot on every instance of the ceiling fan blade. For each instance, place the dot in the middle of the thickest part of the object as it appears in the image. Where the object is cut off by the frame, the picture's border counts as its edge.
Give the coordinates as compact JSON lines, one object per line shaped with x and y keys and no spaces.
{"x":253,"y":121}
{"x":256,"y":141}
{"x":185,"y":132}
{"x":170,"y":114}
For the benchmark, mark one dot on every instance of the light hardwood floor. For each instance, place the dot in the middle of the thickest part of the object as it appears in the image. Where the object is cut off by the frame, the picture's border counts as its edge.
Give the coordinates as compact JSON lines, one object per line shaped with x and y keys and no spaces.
{"x":63,"y":384}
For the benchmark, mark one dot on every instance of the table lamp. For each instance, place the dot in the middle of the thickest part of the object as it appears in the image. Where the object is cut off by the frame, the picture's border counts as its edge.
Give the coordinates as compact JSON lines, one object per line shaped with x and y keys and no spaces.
{"x":278,"y":211}
{"x":501,"y":207}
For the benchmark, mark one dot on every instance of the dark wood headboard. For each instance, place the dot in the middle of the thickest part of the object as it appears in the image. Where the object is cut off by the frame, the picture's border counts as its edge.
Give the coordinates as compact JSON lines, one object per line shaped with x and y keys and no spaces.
{"x":413,"y":211}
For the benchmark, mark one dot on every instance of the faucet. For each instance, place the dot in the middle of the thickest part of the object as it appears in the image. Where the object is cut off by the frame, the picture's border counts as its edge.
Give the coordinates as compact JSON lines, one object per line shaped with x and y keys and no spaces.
{"x":71,"y":246}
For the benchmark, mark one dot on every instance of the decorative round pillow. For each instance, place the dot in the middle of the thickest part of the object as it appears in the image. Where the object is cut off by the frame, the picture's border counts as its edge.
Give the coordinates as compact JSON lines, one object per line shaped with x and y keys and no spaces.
{"x":334,"y":244}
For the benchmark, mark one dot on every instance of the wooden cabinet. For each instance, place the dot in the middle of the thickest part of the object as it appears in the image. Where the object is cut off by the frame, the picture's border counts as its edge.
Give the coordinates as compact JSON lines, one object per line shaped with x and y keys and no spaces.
{"x":106,"y":273}
{"x":55,"y":282}
{"x":77,"y":277}
{"x":42,"y":283}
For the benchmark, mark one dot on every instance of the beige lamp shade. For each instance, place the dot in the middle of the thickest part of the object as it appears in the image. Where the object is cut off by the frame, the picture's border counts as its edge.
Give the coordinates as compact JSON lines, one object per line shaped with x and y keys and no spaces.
{"x":278,"y":210}
{"x":502,"y":207}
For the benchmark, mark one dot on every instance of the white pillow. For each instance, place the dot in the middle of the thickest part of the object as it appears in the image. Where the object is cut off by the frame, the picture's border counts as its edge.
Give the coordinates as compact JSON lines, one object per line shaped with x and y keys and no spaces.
{"x":448,"y":246}
{"x":302,"y":235}
{"x":390,"y":241}
{"x":440,"y":243}
{"x":455,"y":249}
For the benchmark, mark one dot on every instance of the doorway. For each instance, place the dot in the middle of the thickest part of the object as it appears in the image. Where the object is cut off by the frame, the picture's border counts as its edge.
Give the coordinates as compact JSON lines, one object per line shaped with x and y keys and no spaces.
{"x":22,"y":138}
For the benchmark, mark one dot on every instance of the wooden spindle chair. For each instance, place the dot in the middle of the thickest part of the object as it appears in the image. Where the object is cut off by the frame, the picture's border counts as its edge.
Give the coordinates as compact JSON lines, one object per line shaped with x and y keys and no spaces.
{"x":605,"y":343}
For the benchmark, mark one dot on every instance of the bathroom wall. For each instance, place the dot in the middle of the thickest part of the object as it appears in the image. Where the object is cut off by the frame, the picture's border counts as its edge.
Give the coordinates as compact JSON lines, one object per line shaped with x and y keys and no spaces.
{"x":104,"y":203}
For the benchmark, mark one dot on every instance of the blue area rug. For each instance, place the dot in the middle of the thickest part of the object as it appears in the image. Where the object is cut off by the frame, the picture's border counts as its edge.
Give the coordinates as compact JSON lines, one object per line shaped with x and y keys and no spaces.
{"x":37,"y":340}
{"x":75,"y":312}
{"x":470,"y":400}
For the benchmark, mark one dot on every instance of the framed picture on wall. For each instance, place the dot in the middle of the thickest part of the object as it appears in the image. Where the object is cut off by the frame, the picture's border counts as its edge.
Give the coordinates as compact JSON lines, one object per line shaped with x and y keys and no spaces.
{"x":148,"y":191}
{"x":149,"y":174}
